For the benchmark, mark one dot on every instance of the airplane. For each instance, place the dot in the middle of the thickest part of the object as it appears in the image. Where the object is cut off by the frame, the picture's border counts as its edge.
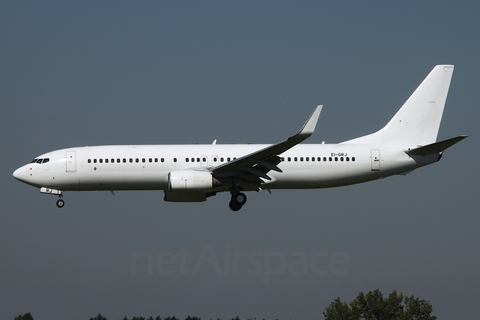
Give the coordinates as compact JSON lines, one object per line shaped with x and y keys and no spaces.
{"x":192,"y":173}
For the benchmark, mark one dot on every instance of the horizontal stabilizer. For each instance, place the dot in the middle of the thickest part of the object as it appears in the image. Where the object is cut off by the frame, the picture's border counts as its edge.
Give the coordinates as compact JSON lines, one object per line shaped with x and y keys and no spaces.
{"x":435,"y":147}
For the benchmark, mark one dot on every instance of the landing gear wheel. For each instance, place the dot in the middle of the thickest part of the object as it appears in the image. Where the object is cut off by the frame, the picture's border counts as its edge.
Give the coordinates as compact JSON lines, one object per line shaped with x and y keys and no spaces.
{"x":239,"y":198}
{"x":234,"y":206}
{"x":237,"y":201}
{"x":60,"y":203}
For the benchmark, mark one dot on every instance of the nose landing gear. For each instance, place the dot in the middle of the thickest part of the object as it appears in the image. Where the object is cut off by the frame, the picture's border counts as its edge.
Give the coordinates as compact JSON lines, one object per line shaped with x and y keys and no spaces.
{"x":60,"y":202}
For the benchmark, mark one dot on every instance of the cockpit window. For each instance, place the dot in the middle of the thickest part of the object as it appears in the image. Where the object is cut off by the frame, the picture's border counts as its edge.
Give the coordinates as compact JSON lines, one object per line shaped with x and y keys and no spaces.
{"x":40,"y":161}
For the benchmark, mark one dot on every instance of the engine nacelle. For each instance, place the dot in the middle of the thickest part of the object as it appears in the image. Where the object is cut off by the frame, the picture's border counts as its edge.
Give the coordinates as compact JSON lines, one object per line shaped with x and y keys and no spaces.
{"x":191,"y":181}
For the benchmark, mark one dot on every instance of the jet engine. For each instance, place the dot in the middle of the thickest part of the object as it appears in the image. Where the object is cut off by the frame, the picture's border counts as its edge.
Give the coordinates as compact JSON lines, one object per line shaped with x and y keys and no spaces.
{"x":189,"y":186}
{"x":191,"y":181}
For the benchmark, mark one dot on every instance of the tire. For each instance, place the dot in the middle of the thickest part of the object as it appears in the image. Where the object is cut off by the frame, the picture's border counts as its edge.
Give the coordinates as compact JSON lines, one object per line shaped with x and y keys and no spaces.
{"x":234,"y":206}
{"x":239,"y":198}
{"x":60,"y":203}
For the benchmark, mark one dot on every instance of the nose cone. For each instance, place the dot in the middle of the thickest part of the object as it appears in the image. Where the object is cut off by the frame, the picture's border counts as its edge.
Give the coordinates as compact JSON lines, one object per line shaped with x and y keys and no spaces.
{"x":20,"y":174}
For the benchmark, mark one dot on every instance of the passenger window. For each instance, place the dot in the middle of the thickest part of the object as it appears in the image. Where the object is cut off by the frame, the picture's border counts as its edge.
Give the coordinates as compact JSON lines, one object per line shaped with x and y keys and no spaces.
{"x":174,"y":159}
{"x":118,"y":160}
{"x":143,"y":159}
{"x":295,"y":159}
{"x":149,"y":159}
{"x":94,"y":160}
{"x":100,"y":160}
{"x":161,"y":160}
{"x":289,"y":159}
{"x":106,"y":160}
{"x":341,"y":158}
{"x":186,"y":159}
{"x":131,"y":160}
{"x":136,"y":160}
{"x":228,"y":159}
{"x":89,"y":161}
{"x":353,"y":158}
{"x":124,"y":160}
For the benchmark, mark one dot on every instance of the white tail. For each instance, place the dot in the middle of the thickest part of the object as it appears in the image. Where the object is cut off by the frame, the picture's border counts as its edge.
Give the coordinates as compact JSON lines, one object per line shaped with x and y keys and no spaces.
{"x":418,"y":120}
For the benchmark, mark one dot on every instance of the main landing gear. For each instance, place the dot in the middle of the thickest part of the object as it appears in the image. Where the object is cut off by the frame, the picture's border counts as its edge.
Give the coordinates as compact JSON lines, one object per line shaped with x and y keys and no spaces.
{"x":237,"y":201}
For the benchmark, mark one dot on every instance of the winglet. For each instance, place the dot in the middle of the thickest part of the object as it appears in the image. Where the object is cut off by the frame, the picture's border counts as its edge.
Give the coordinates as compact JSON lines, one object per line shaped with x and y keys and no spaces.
{"x":311,"y":123}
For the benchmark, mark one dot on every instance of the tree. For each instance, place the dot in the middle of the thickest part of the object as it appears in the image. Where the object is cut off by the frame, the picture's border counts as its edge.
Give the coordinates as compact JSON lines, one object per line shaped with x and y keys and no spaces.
{"x":373,"y":306}
{"x":99,"y":317}
{"x":26,"y":316}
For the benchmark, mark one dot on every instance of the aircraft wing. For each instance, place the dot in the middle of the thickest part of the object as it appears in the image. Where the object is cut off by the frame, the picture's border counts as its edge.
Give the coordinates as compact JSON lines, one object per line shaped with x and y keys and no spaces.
{"x":256,"y":165}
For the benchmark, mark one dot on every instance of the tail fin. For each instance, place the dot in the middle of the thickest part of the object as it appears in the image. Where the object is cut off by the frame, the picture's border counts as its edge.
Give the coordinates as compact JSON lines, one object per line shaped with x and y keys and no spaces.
{"x":418,"y":120}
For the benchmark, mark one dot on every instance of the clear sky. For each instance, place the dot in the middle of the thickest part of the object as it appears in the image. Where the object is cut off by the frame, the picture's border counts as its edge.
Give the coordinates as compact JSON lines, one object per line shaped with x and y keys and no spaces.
{"x":98,"y":72}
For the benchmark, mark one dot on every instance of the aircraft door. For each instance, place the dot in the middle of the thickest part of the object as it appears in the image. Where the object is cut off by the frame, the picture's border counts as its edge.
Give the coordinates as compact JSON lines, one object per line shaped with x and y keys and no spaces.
{"x":71,"y":162}
{"x":375,"y":160}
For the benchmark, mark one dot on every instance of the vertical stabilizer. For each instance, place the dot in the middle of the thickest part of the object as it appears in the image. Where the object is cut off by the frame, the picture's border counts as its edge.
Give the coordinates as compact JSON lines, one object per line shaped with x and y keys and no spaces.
{"x":418,"y":120}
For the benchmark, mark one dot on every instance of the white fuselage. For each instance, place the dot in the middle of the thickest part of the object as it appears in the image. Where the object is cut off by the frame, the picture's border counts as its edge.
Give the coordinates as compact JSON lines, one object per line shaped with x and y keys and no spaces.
{"x":146,"y":167}
{"x":191,"y":173}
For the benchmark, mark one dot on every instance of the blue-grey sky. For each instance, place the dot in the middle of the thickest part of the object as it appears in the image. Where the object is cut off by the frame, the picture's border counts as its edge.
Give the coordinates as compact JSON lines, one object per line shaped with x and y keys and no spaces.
{"x":97,"y":72}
